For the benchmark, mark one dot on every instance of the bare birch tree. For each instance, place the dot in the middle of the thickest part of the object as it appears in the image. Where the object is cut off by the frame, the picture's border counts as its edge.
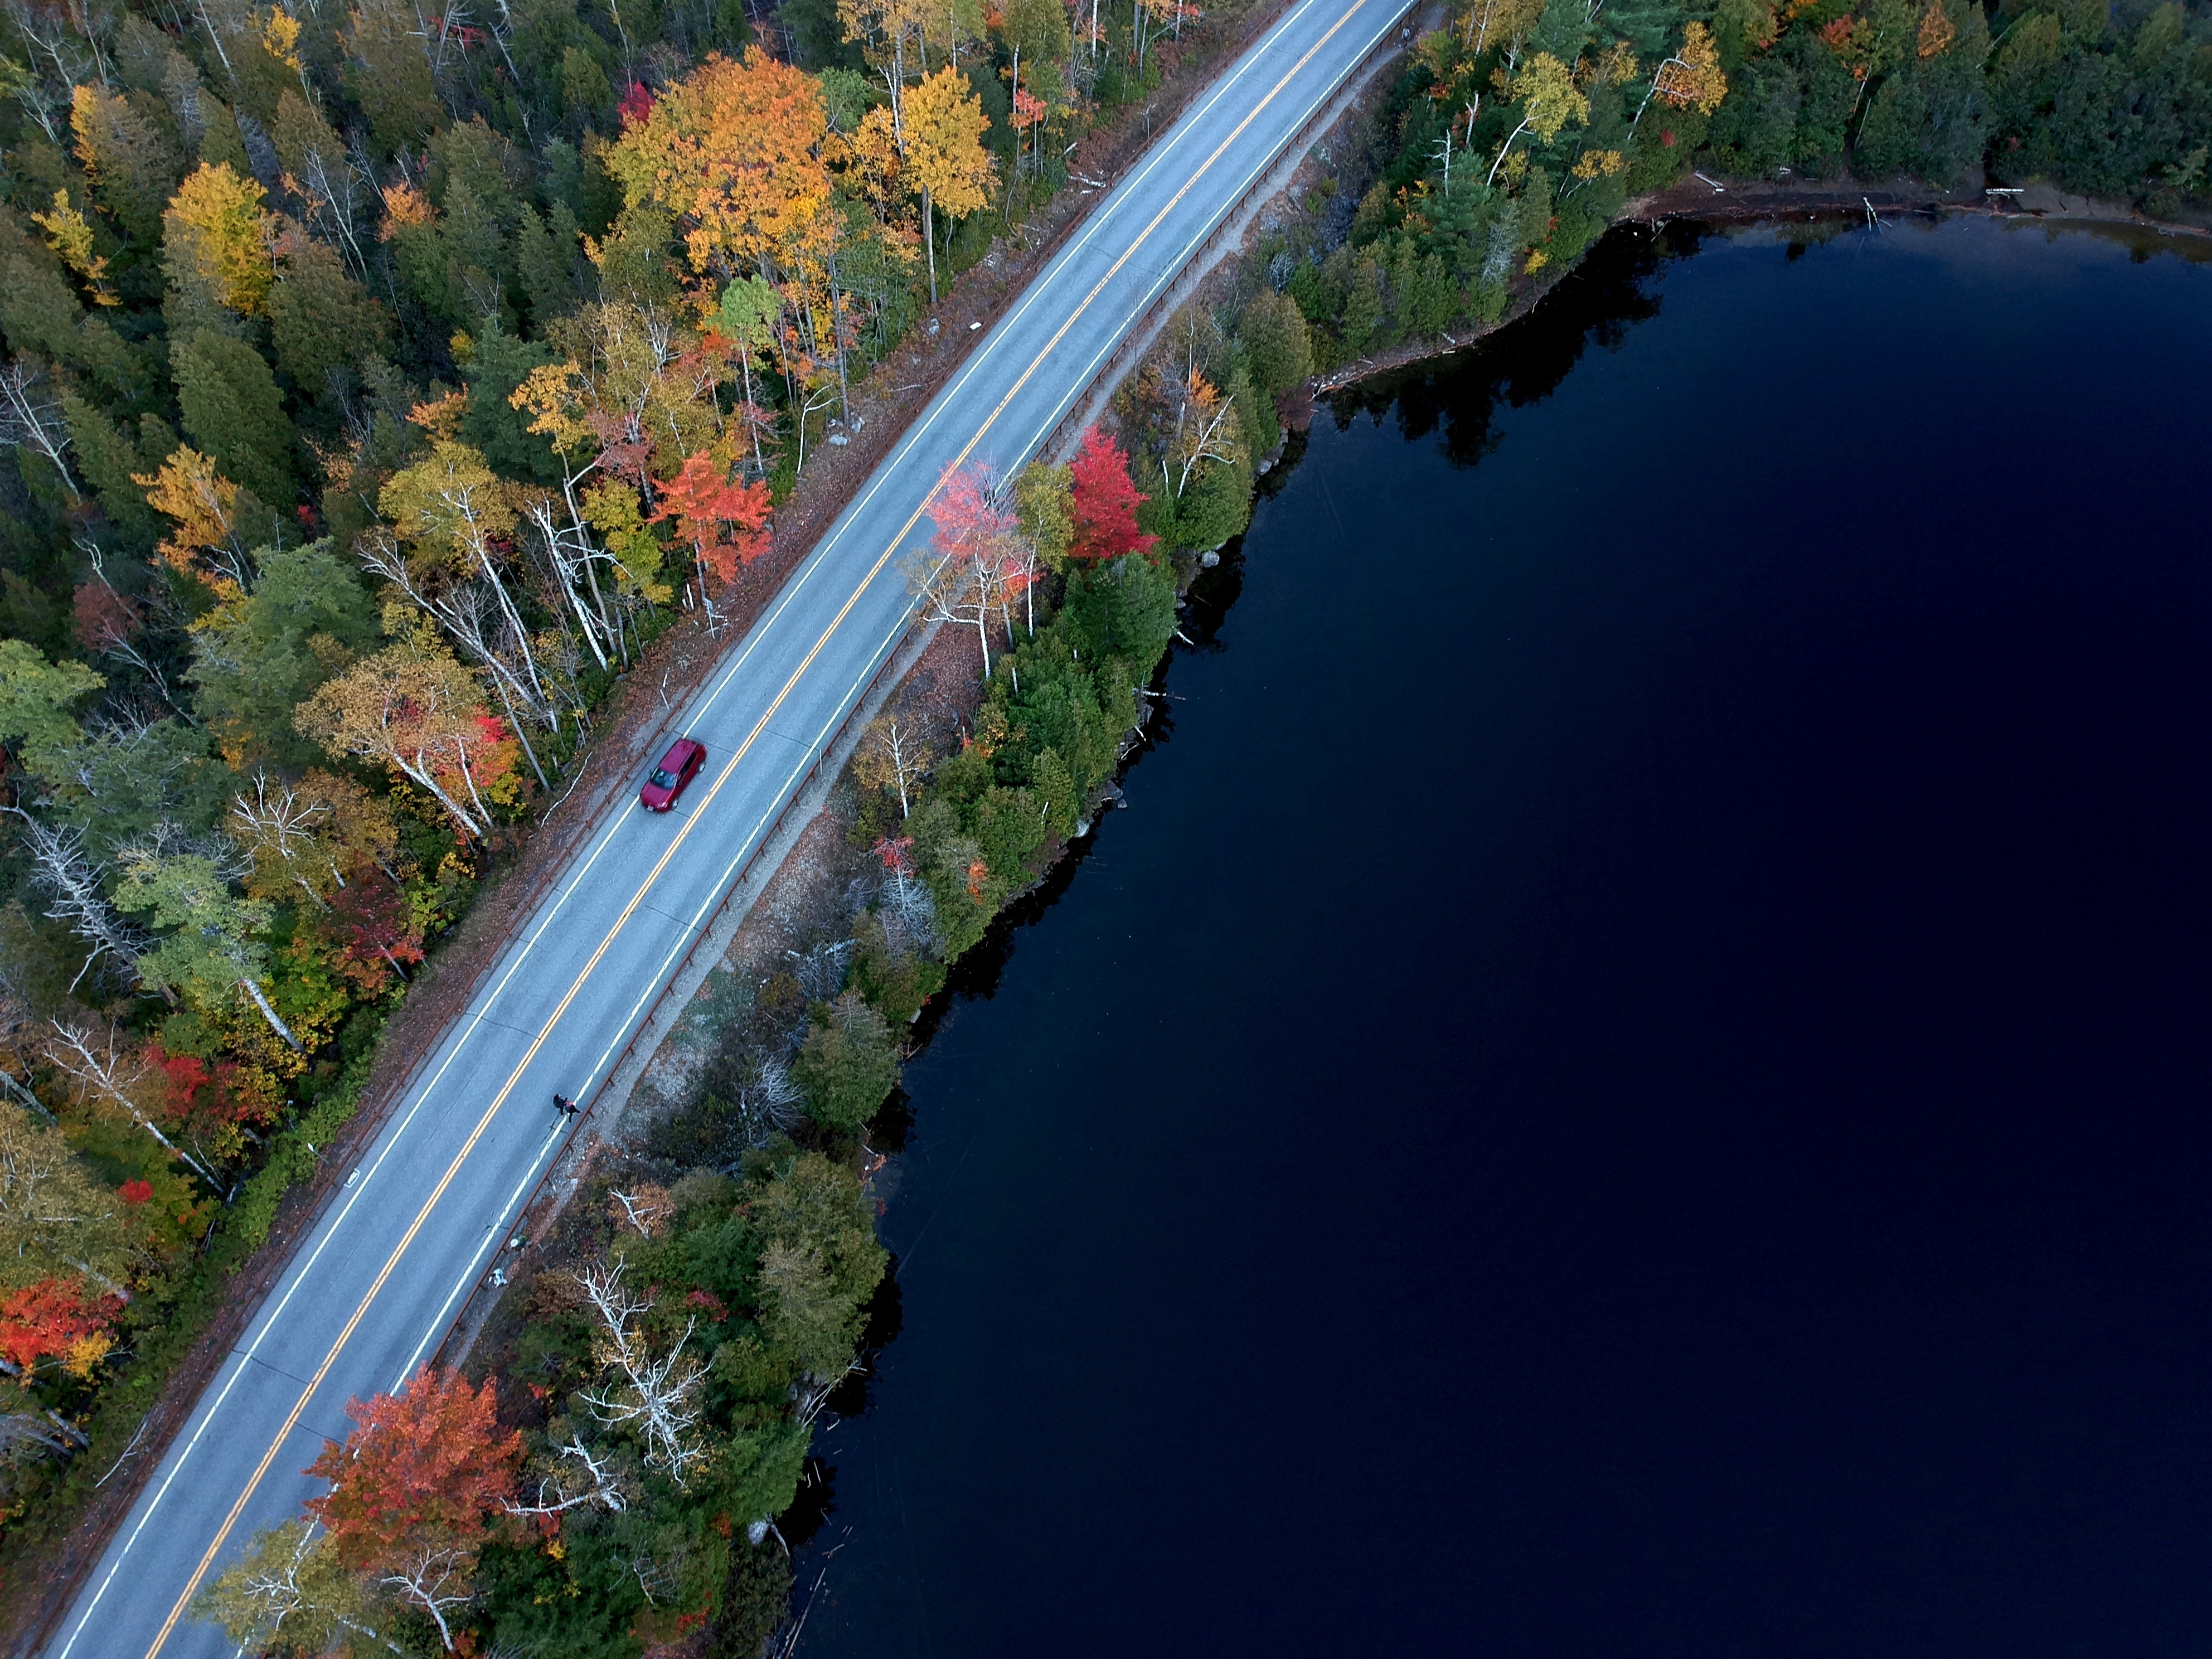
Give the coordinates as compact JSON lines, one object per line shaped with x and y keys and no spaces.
{"x":289,"y":1591}
{"x":434,"y":1578}
{"x":71,"y":884}
{"x":31,"y":420}
{"x":656,"y":1399}
{"x":602,"y":1487}
{"x":109,"y":1073}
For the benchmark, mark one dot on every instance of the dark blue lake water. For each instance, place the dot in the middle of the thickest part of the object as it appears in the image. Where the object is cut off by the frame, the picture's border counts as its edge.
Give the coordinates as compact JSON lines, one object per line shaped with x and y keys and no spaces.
{"x":1633,"y":1080}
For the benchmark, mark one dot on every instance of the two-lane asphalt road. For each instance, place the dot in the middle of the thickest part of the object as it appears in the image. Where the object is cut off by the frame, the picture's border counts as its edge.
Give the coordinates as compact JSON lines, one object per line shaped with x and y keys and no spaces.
{"x":376,"y":1283}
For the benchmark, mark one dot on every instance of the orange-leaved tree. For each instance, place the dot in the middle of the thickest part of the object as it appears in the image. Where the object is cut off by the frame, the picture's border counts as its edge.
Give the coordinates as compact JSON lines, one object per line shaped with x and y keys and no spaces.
{"x":54,"y":1319}
{"x":416,"y":1487}
{"x":725,"y":522}
{"x":432,"y":1463}
{"x":734,"y":150}
{"x":206,"y":543}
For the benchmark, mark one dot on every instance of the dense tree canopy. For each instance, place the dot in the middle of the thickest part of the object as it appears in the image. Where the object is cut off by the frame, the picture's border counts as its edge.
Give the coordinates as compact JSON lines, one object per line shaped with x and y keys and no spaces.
{"x":379,"y":384}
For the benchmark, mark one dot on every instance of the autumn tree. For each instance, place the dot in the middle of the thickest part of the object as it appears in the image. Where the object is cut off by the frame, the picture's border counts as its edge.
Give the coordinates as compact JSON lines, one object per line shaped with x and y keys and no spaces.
{"x":894,"y":754}
{"x":945,"y":128}
{"x":633,"y":397}
{"x":1103,"y":502}
{"x":133,"y":164}
{"x":337,"y":205}
{"x":416,"y":1488}
{"x":319,"y":835}
{"x":69,"y":234}
{"x":725,"y":522}
{"x":430,"y":1462}
{"x":734,"y":151}
{"x":412,"y":708}
{"x":215,"y":248}
{"x":372,"y":929}
{"x":56,"y":1222}
{"x":216,"y":948}
{"x":1550,"y":102}
{"x":1202,"y":428}
{"x":890,"y":35}
{"x":1044,"y":503}
{"x":290,"y":1591}
{"x":1487,"y":23}
{"x":974,"y":525}
{"x":55,"y":1319}
{"x":207,"y":542}
{"x":112,"y":1076}
{"x":455,"y":518}
{"x":1691,"y":79}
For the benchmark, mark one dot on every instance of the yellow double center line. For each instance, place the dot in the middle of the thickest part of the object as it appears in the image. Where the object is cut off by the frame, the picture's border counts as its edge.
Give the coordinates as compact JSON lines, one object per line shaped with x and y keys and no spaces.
{"x":453,"y":1168}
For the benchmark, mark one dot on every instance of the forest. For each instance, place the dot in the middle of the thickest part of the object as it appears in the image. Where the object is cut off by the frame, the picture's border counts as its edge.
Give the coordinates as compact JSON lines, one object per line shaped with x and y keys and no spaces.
{"x":380,"y":386}
{"x":1518,"y":132}
{"x":378,"y":389}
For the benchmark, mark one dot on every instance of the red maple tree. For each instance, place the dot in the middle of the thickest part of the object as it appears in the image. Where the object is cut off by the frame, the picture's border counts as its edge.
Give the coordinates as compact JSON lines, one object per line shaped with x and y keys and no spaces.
{"x":428,"y":1465}
{"x":50,"y":1318}
{"x":200,"y":1099}
{"x":1104,"y":505}
{"x":725,"y":522}
{"x":103,"y":618}
{"x":371,"y":929}
{"x":972,"y":522}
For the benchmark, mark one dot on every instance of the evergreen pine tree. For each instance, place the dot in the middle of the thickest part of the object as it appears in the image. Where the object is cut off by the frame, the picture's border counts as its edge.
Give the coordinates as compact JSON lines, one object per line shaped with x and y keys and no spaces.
{"x":232,"y":410}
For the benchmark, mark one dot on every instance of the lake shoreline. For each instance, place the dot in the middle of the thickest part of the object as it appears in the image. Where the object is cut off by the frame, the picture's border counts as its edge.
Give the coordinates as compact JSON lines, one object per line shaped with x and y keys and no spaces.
{"x":1743,"y":204}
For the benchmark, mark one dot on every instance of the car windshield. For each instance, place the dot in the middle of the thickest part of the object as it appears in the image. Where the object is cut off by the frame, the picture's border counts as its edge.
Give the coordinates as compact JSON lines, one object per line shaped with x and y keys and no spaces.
{"x":663,"y":778}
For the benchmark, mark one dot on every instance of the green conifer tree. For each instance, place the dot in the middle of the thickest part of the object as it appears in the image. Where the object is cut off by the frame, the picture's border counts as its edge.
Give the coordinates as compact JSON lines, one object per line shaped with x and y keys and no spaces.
{"x":233,"y":410}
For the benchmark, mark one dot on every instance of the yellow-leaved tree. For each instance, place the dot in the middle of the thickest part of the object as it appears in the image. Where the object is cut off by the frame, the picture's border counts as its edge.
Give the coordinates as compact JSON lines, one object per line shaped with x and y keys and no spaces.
{"x":215,"y":240}
{"x":735,"y":151}
{"x":1550,"y":101}
{"x":944,"y":153}
{"x":1691,"y":79}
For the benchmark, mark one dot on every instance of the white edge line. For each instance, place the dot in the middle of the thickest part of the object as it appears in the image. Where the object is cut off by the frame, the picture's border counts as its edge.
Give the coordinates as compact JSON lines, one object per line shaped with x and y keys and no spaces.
{"x":999,"y":335}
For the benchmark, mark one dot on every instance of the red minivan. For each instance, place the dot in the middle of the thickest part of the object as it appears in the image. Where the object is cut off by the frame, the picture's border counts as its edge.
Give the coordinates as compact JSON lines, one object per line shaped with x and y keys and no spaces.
{"x":676,"y":769}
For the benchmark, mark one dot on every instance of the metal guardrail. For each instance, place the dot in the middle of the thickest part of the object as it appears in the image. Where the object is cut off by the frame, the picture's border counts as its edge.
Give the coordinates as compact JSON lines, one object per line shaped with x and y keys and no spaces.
{"x":542,"y":1191}
{"x":1118,"y":363}
{"x":1115,"y":366}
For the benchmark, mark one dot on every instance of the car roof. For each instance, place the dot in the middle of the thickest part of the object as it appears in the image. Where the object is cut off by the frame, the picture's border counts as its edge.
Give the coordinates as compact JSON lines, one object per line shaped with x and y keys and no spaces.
{"x":679,"y":749}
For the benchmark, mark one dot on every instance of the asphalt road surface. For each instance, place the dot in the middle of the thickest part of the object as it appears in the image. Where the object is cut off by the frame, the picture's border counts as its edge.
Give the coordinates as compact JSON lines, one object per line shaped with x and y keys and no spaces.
{"x":375,"y":1284}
